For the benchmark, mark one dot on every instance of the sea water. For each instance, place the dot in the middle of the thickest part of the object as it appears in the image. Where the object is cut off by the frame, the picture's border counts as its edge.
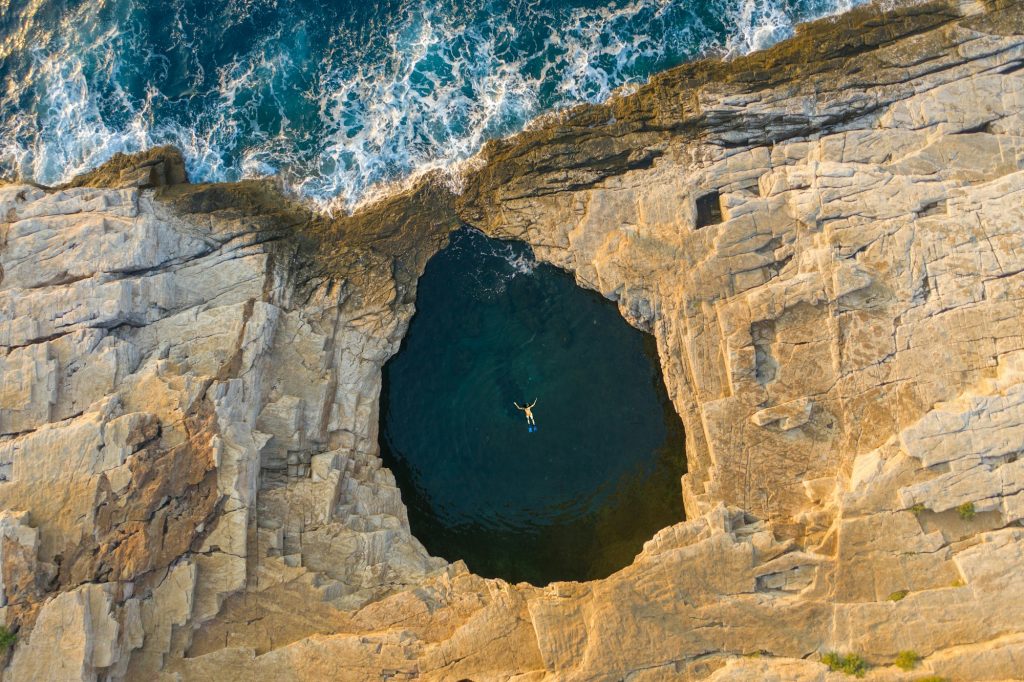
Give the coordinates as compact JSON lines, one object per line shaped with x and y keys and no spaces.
{"x":344,"y":99}
{"x":575,"y":499}
{"x":341,"y":99}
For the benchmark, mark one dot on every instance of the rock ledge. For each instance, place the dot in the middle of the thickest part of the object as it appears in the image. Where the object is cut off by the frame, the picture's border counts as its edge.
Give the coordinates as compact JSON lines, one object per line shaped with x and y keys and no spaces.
{"x":827,"y":241}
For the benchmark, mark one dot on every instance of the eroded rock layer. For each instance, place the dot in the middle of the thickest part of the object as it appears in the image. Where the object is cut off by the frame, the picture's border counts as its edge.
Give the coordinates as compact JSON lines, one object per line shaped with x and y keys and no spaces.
{"x":827,"y":241}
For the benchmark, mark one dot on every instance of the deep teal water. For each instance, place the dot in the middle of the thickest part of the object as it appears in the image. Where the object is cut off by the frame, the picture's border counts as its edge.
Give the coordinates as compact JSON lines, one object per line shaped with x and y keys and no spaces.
{"x":335,"y":96}
{"x":577,"y":499}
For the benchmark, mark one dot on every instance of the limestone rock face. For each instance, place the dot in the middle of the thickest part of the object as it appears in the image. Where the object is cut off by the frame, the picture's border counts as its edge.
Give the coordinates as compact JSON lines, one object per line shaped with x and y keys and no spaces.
{"x":826,"y":240}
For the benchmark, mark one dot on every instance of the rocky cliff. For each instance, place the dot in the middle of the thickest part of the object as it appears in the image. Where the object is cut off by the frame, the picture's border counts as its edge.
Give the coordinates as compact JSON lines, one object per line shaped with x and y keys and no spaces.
{"x":827,"y":241}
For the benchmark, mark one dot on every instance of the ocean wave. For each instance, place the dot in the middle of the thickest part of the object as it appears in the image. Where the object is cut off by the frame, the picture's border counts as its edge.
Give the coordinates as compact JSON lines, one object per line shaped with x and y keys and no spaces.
{"x":340,"y":106}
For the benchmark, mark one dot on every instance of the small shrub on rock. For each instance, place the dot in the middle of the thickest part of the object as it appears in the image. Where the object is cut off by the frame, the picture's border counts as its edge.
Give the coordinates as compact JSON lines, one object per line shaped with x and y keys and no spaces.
{"x":851,"y":664}
{"x":898,"y":595}
{"x":966,"y":511}
{"x":7,"y":638}
{"x":907,"y":660}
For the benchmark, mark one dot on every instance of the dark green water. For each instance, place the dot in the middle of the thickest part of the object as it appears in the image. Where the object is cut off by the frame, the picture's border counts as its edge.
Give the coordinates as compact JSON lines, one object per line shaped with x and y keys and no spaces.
{"x":575,"y":500}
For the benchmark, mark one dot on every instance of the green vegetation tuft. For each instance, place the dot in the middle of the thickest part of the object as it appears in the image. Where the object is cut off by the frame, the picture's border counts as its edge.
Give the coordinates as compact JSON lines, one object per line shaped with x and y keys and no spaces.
{"x":898,"y":595}
{"x":7,"y":638}
{"x":918,"y":508}
{"x":907,"y":660}
{"x":851,"y":664}
{"x":959,"y":582}
{"x":932,"y":678}
{"x":966,"y":511}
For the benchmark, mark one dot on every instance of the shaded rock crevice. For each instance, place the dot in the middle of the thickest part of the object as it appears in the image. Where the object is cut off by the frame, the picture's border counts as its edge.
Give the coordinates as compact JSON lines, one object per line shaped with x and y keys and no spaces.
{"x":192,"y":375}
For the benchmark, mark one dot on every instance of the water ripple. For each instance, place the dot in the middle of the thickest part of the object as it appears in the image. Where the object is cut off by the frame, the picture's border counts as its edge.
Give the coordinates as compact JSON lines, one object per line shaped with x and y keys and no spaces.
{"x":341,"y":99}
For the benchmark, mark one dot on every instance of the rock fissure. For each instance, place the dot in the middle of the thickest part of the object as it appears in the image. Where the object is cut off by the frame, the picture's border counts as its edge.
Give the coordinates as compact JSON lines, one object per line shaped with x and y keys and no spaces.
{"x":203,"y":424}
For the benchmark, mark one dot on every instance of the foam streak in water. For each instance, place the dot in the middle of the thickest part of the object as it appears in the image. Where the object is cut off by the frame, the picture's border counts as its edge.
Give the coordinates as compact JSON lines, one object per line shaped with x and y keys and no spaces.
{"x":340,"y":99}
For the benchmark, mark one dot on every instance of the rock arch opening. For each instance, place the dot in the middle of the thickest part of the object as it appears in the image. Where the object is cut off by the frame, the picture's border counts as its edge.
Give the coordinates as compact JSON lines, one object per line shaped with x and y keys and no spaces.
{"x":574,"y":498}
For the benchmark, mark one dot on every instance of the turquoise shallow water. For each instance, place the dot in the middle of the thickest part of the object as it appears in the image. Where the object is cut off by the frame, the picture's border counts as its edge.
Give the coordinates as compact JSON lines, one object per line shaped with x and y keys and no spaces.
{"x":334,"y":96}
{"x":577,"y":499}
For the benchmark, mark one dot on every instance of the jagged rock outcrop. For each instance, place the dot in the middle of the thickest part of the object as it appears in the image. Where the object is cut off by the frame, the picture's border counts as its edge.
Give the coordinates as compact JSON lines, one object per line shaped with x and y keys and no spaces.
{"x":827,"y":241}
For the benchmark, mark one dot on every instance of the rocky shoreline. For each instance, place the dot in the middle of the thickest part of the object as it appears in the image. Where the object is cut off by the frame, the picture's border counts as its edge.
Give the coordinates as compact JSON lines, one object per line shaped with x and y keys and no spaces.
{"x":826,"y":240}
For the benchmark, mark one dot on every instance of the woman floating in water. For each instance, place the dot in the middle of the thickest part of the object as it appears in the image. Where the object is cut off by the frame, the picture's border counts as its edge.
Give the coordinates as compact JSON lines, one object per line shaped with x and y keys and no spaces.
{"x":529,"y":414}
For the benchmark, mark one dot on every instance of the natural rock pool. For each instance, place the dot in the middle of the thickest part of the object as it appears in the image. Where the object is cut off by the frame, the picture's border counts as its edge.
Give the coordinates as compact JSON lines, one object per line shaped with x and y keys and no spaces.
{"x":577,"y":498}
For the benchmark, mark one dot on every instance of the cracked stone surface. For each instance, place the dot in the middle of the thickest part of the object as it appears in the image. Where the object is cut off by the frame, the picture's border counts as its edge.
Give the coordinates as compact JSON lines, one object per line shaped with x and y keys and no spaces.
{"x":190,"y":485}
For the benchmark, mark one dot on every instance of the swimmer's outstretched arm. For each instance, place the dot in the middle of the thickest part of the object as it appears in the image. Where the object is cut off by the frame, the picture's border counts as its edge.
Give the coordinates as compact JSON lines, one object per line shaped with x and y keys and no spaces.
{"x":533,"y":403}
{"x":517,"y":405}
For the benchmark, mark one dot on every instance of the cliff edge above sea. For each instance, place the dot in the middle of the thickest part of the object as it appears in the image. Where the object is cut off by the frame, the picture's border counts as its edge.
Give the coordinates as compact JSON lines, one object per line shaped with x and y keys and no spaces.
{"x":826,"y":240}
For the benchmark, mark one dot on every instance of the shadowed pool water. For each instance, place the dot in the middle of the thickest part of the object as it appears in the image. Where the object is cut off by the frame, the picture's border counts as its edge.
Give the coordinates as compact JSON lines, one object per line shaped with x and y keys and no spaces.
{"x":574,"y":500}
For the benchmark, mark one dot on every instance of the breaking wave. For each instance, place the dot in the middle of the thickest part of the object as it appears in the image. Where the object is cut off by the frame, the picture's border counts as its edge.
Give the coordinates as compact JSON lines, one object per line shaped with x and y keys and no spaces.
{"x":340,"y":99}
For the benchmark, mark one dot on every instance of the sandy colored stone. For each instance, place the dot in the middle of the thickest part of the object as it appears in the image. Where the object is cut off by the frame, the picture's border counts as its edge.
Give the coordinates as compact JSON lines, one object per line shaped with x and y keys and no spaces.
{"x":190,"y":480}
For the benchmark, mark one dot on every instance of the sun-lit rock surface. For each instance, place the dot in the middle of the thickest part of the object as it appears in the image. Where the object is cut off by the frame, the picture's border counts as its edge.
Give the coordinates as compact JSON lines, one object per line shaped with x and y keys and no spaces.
{"x":190,"y":481}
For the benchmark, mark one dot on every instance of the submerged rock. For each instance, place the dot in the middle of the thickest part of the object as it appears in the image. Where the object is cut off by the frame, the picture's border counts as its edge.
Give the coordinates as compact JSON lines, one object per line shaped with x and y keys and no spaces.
{"x":191,"y":484}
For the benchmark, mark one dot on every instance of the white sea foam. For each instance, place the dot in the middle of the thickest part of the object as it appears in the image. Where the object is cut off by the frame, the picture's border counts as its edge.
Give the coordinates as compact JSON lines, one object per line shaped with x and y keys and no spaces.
{"x":424,"y":97}
{"x":758,"y":24}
